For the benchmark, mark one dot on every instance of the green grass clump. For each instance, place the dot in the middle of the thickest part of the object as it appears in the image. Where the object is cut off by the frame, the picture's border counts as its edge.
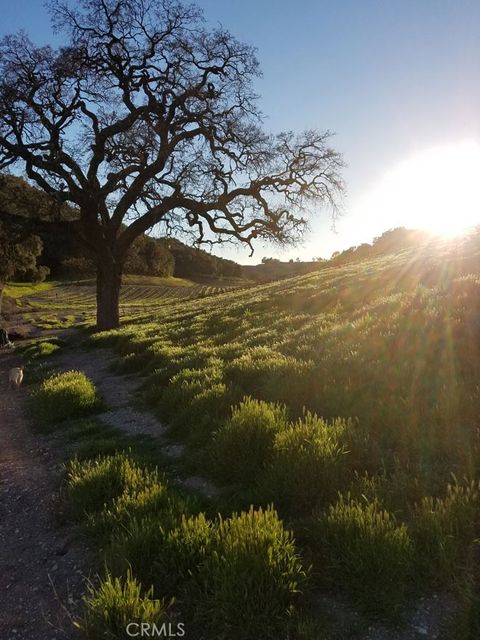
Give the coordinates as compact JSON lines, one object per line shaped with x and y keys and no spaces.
{"x":116,"y":603}
{"x":268,"y":374}
{"x":152,"y":499}
{"x":144,"y":449}
{"x":243,"y":446}
{"x":102,"y":483}
{"x":186,"y":384}
{"x":362,"y":549}
{"x":308,"y":464}
{"x":250,"y":583}
{"x":41,"y":350}
{"x":443,"y":530}
{"x":90,"y":437}
{"x":64,"y":395}
{"x":104,"y":339}
{"x":183,"y":553}
{"x":124,"y":503}
{"x":239,"y":575}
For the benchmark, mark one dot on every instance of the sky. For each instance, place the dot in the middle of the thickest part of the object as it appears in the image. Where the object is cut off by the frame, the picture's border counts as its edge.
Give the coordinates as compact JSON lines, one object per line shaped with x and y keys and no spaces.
{"x":398,"y":81}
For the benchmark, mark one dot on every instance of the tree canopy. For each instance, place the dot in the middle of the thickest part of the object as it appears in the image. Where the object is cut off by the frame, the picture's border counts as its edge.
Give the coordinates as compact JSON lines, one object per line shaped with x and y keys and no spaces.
{"x":19,"y":251}
{"x":147,"y":117}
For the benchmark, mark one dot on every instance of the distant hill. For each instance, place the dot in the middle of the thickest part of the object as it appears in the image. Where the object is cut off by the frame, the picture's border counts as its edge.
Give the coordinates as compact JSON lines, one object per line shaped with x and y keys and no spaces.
{"x":392,"y":241}
{"x":272,"y":269}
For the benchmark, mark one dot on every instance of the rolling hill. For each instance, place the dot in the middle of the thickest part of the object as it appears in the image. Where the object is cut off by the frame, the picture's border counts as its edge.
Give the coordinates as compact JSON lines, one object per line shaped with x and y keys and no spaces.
{"x":347,"y":398}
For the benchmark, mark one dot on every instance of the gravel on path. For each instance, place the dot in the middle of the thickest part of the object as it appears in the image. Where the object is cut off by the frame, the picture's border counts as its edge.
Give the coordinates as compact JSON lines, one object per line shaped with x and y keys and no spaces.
{"x":42,"y":561}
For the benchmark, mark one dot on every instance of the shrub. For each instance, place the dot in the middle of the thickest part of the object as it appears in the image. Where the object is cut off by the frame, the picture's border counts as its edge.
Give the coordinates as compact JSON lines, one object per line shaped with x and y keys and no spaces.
{"x":145,"y":450}
{"x":183,"y":553}
{"x":64,"y":395}
{"x":106,"y":339}
{"x":237,"y":578}
{"x":204,"y":413}
{"x":41,"y":350}
{"x":137,"y":546}
{"x":134,"y":361}
{"x":363,"y":550}
{"x":292,"y":381}
{"x":243,"y":446}
{"x":114,"y":604}
{"x":308,"y":464}
{"x":184,"y":386}
{"x":270,"y":375}
{"x":248,"y":585}
{"x":96,"y":485}
{"x":151,"y":499}
{"x":443,"y":529}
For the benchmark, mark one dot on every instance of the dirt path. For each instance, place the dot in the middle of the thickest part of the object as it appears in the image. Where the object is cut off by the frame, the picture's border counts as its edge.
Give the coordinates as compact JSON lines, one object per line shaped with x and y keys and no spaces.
{"x":117,"y":391}
{"x":42,"y":563}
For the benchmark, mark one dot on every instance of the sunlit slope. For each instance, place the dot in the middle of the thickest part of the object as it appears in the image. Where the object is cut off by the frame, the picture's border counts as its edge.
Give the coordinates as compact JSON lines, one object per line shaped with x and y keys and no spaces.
{"x":392,"y":341}
{"x":347,"y":399}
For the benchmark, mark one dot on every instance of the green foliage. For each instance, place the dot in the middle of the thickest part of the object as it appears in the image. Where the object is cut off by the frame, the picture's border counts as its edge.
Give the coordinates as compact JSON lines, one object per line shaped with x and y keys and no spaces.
{"x":362,"y":549}
{"x":386,"y":349}
{"x":443,"y":529}
{"x":20,"y":289}
{"x":148,"y":256}
{"x":109,"y":483}
{"x":64,"y":395}
{"x":41,"y":349}
{"x":138,"y":545}
{"x":238,"y":576}
{"x":268,"y":373}
{"x":308,"y":465}
{"x":203,"y":415}
{"x":114,"y":604}
{"x":144,"y":449}
{"x":249,"y":584}
{"x":19,"y":250}
{"x":38,"y":370}
{"x":185,"y":386}
{"x":184,"y":550}
{"x":243,"y":446}
{"x":153,"y":498}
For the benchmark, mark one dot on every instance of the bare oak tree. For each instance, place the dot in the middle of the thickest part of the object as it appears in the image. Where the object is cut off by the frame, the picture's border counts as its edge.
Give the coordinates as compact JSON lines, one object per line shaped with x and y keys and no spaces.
{"x":147,"y":117}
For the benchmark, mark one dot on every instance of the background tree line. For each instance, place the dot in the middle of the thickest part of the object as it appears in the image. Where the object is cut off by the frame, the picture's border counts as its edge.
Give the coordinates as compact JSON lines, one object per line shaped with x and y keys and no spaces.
{"x":28,"y":213}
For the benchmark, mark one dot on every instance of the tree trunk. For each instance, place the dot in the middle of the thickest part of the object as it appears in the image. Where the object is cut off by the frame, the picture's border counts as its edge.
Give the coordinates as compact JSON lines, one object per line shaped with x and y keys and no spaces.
{"x":109,"y":280}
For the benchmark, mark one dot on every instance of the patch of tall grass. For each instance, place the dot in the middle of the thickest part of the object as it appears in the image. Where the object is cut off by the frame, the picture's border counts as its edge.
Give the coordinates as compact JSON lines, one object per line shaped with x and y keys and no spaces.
{"x":63,"y":395}
{"x":443,"y":529}
{"x":116,"y":603}
{"x":243,"y":446}
{"x":308,"y":466}
{"x":360,"y":548}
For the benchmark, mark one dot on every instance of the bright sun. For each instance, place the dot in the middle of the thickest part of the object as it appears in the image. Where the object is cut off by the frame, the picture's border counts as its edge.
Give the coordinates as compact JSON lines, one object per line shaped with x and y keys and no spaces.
{"x":437,"y":189}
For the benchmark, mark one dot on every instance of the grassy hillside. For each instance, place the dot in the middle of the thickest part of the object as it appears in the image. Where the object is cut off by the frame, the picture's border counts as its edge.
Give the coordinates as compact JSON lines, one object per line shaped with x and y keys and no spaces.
{"x":355,"y":395}
{"x":349,"y":400}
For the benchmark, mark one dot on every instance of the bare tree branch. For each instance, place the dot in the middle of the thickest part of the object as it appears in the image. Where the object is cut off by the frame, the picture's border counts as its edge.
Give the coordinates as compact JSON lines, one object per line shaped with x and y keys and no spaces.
{"x":145,"y":116}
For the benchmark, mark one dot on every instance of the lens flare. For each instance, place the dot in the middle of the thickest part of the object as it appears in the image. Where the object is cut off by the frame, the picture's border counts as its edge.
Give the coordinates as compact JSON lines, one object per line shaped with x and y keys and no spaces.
{"x":436,"y":189}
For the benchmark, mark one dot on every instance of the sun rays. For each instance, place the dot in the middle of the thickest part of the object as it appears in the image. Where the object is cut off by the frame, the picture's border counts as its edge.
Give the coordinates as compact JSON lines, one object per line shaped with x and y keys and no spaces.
{"x":435,"y":189}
